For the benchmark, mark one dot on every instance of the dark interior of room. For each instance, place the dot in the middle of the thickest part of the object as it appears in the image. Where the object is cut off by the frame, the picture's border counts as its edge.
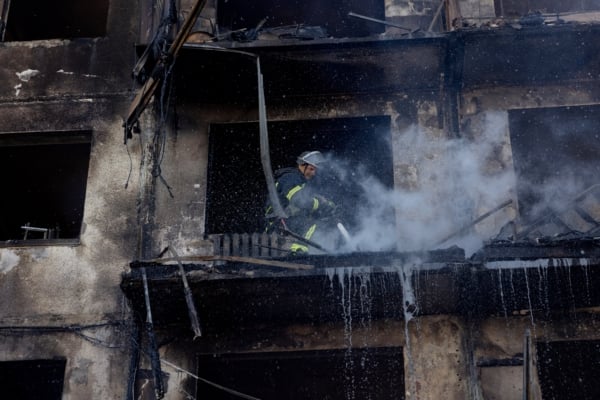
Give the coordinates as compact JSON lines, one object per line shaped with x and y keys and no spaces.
{"x":569,"y":370}
{"x":44,"y":185}
{"x":358,"y":373}
{"x":555,"y":154}
{"x":32,"y":379}
{"x":236,"y":182}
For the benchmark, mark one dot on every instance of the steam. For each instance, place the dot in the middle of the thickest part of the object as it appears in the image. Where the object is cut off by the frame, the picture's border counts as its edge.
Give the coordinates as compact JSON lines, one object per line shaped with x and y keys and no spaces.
{"x":441,"y":186}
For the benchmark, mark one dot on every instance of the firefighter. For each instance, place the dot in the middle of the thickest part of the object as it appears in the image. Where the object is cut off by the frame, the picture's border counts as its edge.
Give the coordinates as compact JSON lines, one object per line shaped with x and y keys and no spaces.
{"x":306,"y":209}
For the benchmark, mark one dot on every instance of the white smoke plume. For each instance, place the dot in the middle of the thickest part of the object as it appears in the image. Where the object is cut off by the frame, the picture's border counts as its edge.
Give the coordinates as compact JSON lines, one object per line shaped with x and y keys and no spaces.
{"x":450,"y":183}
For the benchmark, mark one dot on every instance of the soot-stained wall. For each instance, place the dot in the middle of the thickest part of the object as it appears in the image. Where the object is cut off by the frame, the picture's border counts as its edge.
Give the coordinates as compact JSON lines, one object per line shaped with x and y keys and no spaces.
{"x":62,"y":300}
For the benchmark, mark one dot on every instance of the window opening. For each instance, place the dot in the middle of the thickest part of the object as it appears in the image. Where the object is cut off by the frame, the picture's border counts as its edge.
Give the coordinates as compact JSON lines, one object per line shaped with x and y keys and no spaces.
{"x":32,"y":379}
{"x":44,"y":187}
{"x":237,"y":192}
{"x":569,"y":370}
{"x":367,"y":373}
{"x":330,"y":18}
{"x":60,"y":19}
{"x":518,"y":8}
{"x":555,"y":154}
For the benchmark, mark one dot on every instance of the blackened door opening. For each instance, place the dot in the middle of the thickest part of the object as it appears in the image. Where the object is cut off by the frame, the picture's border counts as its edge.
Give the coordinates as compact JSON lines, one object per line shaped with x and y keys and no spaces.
{"x":367,"y":373}
{"x":236,"y":182}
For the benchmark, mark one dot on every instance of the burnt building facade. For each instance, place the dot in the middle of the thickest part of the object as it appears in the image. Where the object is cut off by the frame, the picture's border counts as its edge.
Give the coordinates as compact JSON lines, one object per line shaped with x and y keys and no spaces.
{"x":138,"y":139}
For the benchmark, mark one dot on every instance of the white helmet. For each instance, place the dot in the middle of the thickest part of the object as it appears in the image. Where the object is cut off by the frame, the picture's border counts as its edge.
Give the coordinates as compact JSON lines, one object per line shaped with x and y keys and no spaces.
{"x":313,"y":158}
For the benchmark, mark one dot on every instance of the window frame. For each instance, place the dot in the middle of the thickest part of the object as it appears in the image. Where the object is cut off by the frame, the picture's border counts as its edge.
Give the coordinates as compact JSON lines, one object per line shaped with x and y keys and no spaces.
{"x":59,"y":137}
{"x":51,"y":371}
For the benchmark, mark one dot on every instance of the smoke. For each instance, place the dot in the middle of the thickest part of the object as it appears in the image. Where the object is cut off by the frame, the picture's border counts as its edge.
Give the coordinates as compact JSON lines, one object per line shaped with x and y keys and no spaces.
{"x":561,"y":164}
{"x":441,"y":185}
{"x":555,"y":194}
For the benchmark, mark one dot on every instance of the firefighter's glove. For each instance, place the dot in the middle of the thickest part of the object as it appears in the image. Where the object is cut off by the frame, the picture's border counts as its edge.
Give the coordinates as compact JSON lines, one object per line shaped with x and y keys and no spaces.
{"x":327,"y":208}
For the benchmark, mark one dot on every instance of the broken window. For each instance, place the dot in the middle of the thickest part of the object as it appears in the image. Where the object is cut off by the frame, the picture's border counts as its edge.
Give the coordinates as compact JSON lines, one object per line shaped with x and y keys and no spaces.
{"x":44,"y":185}
{"x":32,"y":379}
{"x":555,"y":154}
{"x":301,"y":19}
{"x":367,"y":373}
{"x":569,"y":370}
{"x":236,"y":182}
{"x":518,"y":8}
{"x":24,"y":20}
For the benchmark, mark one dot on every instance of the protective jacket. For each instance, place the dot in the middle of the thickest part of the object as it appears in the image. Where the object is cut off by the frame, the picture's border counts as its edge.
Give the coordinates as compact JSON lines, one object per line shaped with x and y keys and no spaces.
{"x":301,"y":204}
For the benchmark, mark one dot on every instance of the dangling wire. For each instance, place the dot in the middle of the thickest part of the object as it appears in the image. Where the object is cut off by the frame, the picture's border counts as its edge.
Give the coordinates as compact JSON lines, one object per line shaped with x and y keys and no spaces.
{"x":161,"y":137}
{"x":161,"y":46}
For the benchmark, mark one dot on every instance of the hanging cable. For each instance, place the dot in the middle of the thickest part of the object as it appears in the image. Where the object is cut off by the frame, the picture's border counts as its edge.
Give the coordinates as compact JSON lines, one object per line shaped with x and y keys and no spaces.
{"x":226,"y":389}
{"x":79,"y":330}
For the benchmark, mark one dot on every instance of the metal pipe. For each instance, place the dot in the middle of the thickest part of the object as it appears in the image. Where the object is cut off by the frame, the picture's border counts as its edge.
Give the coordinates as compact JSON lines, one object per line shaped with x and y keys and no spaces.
{"x":379,"y":21}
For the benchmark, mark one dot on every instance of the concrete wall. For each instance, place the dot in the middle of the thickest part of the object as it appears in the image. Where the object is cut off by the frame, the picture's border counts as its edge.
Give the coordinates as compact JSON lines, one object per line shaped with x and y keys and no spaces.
{"x":48,"y":292}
